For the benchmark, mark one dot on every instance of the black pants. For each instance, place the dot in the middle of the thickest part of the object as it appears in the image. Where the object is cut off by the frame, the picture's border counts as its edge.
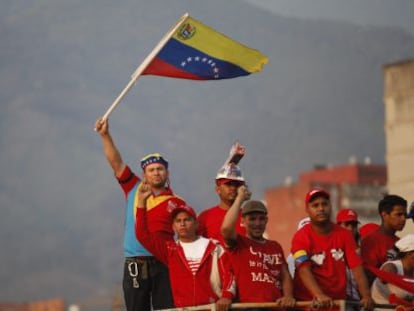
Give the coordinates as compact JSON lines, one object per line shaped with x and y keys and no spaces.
{"x":146,"y":280}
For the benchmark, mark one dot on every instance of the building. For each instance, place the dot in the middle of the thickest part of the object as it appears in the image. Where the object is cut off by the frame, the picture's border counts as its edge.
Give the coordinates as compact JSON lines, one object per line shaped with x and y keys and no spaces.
{"x":399,"y":130}
{"x":356,"y":186}
{"x":42,"y":305}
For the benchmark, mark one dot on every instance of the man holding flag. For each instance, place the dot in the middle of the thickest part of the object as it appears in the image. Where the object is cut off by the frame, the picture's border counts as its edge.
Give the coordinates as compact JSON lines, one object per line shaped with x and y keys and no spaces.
{"x":145,"y":279}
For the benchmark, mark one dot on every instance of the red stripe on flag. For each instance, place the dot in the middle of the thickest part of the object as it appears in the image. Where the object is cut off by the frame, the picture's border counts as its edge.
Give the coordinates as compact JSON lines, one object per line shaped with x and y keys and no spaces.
{"x":158,"y":67}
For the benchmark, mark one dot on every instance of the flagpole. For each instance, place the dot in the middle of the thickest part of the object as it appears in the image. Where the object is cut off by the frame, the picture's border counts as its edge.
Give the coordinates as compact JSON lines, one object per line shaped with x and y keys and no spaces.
{"x":144,"y":64}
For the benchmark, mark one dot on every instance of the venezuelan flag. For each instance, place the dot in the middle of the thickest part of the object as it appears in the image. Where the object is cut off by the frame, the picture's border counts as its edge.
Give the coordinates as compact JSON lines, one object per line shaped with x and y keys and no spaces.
{"x":198,"y":52}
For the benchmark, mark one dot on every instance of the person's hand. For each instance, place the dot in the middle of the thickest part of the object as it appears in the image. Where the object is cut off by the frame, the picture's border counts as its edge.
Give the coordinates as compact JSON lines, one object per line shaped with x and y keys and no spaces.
{"x":101,"y":126}
{"x":223,"y":304}
{"x":243,"y":193}
{"x":239,"y":149}
{"x":286,"y":302}
{"x":144,"y":192}
{"x":237,"y":152}
{"x":367,"y":303}
{"x":323,"y":301}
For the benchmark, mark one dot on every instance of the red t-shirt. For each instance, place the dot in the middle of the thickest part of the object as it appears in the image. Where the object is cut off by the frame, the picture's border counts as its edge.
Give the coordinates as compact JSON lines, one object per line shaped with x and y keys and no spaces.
{"x":328,"y":255}
{"x":210,"y":220}
{"x":377,"y":248}
{"x":257,"y":268}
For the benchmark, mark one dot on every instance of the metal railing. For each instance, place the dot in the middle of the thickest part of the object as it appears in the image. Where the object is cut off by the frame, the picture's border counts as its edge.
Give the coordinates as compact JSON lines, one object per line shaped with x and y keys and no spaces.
{"x":313,"y":305}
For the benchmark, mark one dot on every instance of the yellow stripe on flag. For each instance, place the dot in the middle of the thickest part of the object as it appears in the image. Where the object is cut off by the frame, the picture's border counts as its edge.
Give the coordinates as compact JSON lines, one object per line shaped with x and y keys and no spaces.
{"x":215,"y":44}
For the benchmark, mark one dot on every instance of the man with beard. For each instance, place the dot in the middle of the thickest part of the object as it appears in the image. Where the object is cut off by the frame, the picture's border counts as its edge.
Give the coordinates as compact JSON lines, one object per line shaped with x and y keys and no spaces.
{"x":347,"y":218}
{"x":229,"y":178}
{"x":322,"y":251}
{"x":145,"y":279}
{"x":393,"y":210}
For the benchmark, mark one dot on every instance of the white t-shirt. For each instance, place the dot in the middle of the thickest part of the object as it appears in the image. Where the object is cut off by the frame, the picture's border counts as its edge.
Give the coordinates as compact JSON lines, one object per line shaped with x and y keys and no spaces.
{"x":380,"y":291}
{"x":194,"y":252}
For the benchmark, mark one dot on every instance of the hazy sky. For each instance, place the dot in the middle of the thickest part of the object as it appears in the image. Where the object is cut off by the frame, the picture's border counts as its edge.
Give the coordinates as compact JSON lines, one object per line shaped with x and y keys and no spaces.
{"x":364,"y":12}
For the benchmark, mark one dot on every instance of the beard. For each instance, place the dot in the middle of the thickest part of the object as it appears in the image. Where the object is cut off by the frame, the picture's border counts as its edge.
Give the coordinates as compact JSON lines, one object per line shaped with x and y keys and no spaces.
{"x":157,"y":183}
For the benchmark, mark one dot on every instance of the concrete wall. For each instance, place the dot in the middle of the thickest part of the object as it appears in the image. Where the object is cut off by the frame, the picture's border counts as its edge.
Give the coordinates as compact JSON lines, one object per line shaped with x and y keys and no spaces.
{"x":399,"y":130}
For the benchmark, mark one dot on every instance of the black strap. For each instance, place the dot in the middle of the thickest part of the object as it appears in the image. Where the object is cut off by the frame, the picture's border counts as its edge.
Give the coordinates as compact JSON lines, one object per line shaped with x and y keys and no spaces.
{"x":127,"y":179}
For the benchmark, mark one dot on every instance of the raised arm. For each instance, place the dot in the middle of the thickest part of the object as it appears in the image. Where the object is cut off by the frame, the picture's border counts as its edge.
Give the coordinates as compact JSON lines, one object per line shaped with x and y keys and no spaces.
{"x":237,"y":152}
{"x":228,"y":230}
{"x":153,"y":242}
{"x":111,"y":152}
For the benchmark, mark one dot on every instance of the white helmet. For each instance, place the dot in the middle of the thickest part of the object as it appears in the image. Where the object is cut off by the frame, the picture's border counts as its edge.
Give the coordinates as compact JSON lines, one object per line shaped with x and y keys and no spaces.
{"x":230,"y":171}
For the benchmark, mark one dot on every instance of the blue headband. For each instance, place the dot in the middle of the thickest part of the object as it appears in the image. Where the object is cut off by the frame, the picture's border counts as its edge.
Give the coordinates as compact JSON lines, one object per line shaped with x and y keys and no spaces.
{"x":153,"y":158}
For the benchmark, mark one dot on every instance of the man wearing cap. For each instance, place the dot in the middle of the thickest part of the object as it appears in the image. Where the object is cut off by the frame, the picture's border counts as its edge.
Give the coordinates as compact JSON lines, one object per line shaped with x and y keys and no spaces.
{"x":383,"y":291}
{"x":199,"y":268}
{"x":393,"y":210}
{"x":347,"y":218}
{"x":228,"y":179}
{"x":259,"y":264}
{"x":145,"y":279}
{"x":322,"y":251}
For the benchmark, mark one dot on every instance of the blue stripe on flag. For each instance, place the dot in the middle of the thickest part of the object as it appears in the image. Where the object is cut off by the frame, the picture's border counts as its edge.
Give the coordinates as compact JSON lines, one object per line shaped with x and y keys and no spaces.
{"x":198,"y":63}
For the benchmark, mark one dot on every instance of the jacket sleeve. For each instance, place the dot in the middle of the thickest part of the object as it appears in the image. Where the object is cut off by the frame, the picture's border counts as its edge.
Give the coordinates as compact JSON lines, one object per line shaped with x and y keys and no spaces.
{"x":227,"y":277}
{"x":154,"y":242}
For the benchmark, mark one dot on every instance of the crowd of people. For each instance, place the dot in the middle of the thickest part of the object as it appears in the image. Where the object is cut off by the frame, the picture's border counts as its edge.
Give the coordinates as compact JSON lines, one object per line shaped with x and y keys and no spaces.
{"x":174,"y":258}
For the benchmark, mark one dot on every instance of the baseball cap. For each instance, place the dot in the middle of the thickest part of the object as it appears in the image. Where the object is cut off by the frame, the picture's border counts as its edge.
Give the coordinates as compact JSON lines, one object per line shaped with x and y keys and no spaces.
{"x":345,"y":215}
{"x":410,"y":213}
{"x":316,"y":193}
{"x":254,"y":207}
{"x":229,"y":172}
{"x":182,"y":208}
{"x":153,"y":158}
{"x":406,"y":243}
{"x":223,"y":181}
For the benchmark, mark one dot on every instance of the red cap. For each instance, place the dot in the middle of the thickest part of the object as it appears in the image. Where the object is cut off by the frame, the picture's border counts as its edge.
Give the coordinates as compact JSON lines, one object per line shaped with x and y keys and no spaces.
{"x":223,"y":181}
{"x":316,"y":193}
{"x":367,"y":229}
{"x":183,"y":208}
{"x":345,"y":215}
